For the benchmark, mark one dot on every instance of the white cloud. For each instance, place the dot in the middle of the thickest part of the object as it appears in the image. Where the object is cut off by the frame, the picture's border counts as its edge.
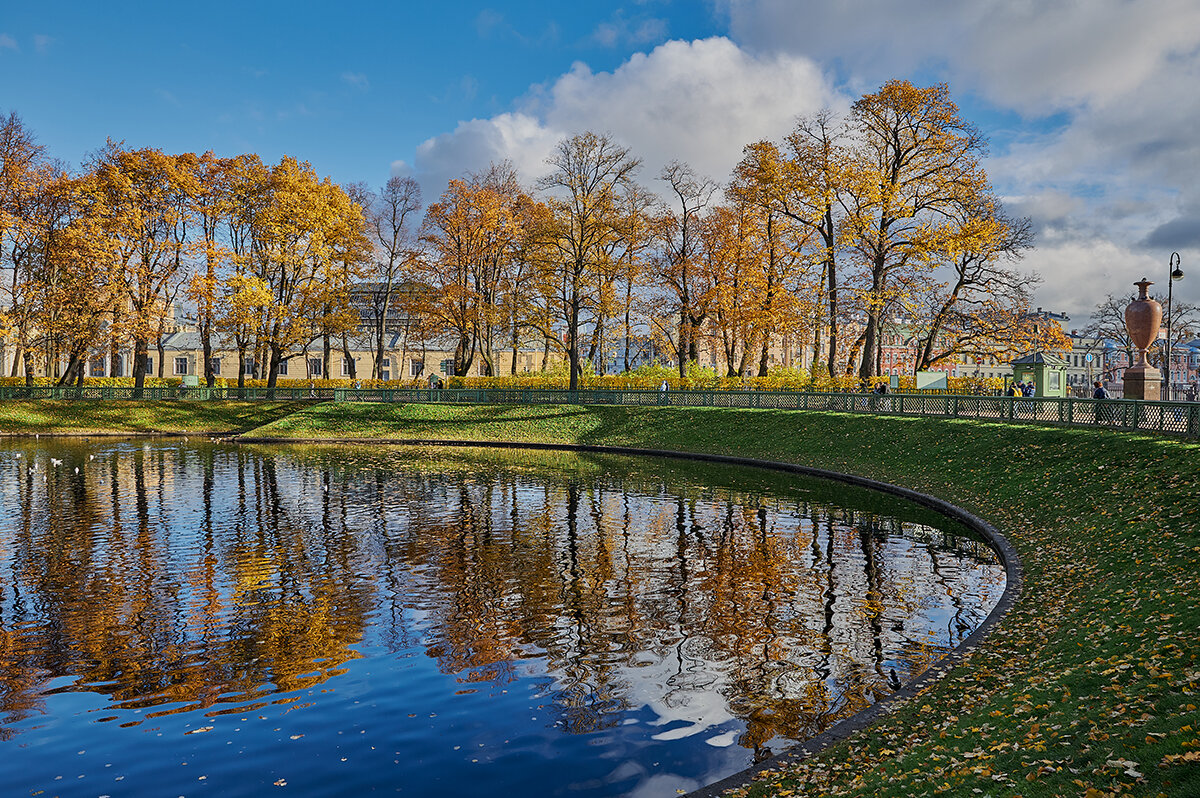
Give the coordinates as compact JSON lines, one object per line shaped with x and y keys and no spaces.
{"x":42,"y":42}
{"x":622,"y":30}
{"x":357,"y":80}
{"x":699,"y":102}
{"x":1027,"y":55}
{"x":1078,"y":274}
{"x":8,"y":43}
{"x":1106,"y":165}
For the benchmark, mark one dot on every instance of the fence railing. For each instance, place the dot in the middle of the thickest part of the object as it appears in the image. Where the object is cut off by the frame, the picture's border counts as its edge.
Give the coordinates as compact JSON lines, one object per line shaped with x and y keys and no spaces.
{"x":1176,"y":418}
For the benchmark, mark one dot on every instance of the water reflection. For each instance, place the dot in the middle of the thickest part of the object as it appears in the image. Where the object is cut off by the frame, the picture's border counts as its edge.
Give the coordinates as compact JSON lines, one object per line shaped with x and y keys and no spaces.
{"x":662,"y":612}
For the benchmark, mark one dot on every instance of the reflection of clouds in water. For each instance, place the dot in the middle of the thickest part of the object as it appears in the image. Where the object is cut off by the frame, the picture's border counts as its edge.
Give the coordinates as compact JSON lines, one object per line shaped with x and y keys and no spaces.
{"x":657,"y":627}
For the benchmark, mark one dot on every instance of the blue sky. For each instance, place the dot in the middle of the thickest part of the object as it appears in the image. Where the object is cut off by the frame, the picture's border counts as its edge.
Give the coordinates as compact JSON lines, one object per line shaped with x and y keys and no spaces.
{"x":350,"y":89}
{"x":1090,"y":106}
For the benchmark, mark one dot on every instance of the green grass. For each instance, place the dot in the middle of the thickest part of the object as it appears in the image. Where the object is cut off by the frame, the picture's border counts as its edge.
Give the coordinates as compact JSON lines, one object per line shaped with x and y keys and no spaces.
{"x":50,"y":417}
{"x":1090,"y":685}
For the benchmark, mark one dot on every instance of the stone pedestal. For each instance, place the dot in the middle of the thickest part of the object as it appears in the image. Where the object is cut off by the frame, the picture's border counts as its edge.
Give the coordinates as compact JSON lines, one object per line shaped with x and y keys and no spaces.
{"x":1143,"y":382}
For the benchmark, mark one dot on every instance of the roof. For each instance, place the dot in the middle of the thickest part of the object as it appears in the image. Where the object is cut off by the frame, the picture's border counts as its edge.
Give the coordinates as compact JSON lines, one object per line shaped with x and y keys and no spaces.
{"x":1040,"y":358}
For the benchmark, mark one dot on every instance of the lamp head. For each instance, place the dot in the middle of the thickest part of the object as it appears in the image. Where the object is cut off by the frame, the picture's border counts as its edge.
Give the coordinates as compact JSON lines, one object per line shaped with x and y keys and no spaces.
{"x":1176,"y":273}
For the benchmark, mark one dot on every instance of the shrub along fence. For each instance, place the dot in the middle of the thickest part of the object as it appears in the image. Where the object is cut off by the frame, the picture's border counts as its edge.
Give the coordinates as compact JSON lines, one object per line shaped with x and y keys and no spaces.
{"x":1177,"y":418}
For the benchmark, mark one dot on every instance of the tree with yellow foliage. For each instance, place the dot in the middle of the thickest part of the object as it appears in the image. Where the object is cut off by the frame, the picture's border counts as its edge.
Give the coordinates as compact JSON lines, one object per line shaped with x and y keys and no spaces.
{"x":589,"y":173}
{"x":145,"y":199}
{"x":298,"y":227}
{"x":805,"y":181}
{"x":913,"y":184}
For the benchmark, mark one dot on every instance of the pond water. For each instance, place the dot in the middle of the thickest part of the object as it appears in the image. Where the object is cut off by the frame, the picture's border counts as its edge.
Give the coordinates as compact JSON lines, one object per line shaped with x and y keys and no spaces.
{"x":204,"y":619}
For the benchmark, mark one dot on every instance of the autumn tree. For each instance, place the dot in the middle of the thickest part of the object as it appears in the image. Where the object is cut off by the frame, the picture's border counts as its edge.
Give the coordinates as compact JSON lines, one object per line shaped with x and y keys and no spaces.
{"x":146,"y":198}
{"x":981,"y":310}
{"x":806,"y":181}
{"x":589,"y":173}
{"x":298,"y":232}
{"x":213,"y":205}
{"x":914,"y":179}
{"x":73,"y":288}
{"x":471,"y":232}
{"x":688,"y":286}
{"x":23,"y":174}
{"x":389,"y":217}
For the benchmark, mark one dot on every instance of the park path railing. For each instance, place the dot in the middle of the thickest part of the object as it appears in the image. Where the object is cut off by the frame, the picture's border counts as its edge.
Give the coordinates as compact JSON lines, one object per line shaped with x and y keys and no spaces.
{"x":1176,"y":418}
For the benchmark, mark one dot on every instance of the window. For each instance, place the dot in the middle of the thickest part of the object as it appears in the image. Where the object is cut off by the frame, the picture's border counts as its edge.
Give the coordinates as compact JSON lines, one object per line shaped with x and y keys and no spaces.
{"x":148,"y":364}
{"x":283,"y":368}
{"x":385,"y":376}
{"x":98,"y":367}
{"x":248,"y":369}
{"x":445,"y":366}
{"x":387,"y":363}
{"x":181,"y":365}
{"x":214,"y":365}
{"x":346,"y":366}
{"x":314,"y":366}
{"x":415,"y":368}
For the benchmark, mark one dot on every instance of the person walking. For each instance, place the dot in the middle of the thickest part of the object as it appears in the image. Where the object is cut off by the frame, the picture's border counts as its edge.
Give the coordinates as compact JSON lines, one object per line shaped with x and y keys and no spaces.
{"x":1099,"y":393}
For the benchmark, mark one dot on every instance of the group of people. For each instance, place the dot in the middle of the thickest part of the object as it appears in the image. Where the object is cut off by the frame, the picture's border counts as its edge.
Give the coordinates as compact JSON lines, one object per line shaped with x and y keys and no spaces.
{"x":1021,"y":389}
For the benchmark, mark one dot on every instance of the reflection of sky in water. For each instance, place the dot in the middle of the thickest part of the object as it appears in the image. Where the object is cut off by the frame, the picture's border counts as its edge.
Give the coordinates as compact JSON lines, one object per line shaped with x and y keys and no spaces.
{"x":348,"y":620}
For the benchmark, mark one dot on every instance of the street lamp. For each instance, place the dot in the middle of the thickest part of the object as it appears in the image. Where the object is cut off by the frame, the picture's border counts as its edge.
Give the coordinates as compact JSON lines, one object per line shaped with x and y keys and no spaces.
{"x":1175,"y":274}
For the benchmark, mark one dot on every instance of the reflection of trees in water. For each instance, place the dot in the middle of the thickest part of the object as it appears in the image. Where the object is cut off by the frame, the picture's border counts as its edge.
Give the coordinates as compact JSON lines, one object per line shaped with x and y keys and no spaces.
{"x":794,"y":613}
{"x":210,"y":577}
{"x":126,"y":578}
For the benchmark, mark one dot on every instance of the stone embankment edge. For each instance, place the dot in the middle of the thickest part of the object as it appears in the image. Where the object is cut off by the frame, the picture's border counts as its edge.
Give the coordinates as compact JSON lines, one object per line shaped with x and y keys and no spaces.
{"x":1014,"y":574}
{"x":145,"y":433}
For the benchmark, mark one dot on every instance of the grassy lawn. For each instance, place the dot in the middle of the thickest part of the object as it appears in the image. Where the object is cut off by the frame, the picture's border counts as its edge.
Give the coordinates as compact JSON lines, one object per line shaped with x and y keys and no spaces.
{"x":48,"y":417}
{"x":1089,"y":687}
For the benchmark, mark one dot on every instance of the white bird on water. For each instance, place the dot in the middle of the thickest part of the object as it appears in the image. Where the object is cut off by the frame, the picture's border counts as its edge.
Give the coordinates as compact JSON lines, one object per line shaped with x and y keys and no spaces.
{"x":55,"y":463}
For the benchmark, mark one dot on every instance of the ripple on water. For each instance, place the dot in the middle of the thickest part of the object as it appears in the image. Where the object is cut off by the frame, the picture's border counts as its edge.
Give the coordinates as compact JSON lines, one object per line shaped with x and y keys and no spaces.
{"x":184,"y":616}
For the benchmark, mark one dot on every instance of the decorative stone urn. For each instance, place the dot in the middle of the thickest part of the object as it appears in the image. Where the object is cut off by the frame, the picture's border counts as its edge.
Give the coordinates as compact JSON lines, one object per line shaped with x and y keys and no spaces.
{"x":1143,"y":318}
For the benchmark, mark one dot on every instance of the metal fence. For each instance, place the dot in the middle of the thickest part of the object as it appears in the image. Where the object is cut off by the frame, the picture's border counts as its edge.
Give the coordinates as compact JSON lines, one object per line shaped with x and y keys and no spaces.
{"x":1176,"y":418}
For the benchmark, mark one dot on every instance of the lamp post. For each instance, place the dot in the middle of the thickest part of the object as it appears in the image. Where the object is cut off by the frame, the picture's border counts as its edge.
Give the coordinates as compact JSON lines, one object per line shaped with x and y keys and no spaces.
{"x":1175,"y":273}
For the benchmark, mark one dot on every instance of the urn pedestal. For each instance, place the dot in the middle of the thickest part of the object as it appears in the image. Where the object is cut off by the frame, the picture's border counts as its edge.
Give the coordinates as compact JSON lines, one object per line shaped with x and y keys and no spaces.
{"x":1143,"y":318}
{"x":1143,"y":383}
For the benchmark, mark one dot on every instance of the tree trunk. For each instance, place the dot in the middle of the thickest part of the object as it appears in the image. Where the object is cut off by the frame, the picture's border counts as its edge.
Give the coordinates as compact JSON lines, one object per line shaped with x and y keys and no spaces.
{"x":68,"y":376}
{"x":139,"y":366}
{"x":351,"y":366}
{"x":210,"y":379}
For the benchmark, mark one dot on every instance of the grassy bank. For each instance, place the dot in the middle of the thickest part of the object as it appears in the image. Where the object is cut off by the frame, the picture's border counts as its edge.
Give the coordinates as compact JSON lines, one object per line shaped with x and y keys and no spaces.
{"x":50,"y":417}
{"x":1089,"y":687}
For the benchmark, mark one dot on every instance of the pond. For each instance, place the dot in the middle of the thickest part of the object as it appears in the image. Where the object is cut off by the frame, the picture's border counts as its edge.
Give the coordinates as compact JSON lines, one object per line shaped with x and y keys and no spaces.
{"x":206,"y":619}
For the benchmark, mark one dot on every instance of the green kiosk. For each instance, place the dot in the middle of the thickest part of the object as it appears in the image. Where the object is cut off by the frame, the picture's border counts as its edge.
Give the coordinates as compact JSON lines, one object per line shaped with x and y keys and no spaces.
{"x":1048,"y":373}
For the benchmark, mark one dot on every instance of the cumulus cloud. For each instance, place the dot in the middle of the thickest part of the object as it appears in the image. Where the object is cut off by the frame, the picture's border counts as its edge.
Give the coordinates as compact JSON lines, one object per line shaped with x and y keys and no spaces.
{"x":1031,"y":56}
{"x":1077,"y":275}
{"x":8,"y":42}
{"x":698,"y":102}
{"x":1106,"y":166}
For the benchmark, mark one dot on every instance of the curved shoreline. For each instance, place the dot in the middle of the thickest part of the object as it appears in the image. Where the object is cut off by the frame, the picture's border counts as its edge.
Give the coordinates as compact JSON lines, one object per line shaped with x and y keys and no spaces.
{"x":1013,"y":571}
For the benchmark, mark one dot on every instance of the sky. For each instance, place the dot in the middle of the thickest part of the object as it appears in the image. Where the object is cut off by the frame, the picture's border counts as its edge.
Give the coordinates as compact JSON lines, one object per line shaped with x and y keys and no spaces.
{"x":1090,"y":107}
